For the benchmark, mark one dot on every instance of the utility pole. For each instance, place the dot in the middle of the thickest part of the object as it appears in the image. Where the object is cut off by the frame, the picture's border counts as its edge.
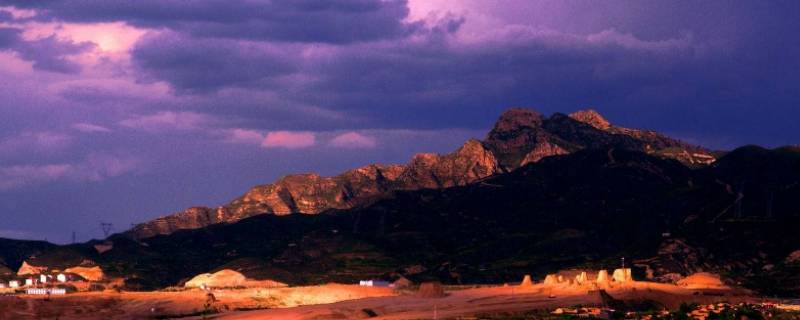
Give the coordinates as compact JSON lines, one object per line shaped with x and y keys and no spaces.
{"x":107,"y":227}
{"x":737,"y":213}
{"x":770,"y":198}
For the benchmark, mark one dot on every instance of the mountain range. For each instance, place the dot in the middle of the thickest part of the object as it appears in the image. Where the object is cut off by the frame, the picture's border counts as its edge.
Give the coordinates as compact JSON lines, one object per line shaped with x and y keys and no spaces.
{"x":520,"y":137}
{"x":536,"y":195}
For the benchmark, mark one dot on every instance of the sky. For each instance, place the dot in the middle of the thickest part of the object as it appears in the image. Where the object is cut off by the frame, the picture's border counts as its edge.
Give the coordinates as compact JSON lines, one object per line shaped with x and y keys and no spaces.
{"x":123,"y":111}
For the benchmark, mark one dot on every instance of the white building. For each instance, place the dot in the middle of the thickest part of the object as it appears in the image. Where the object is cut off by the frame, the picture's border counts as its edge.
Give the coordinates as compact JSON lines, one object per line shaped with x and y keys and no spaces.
{"x":374,"y":283}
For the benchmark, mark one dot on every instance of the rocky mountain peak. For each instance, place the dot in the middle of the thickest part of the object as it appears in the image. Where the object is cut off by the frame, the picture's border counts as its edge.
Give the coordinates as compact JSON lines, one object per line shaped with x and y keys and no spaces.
{"x":592,"y":118}
{"x":515,"y":119}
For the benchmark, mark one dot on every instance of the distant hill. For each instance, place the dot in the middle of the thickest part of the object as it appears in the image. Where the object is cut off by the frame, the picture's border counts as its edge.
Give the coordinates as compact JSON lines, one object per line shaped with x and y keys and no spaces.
{"x":608,"y":194}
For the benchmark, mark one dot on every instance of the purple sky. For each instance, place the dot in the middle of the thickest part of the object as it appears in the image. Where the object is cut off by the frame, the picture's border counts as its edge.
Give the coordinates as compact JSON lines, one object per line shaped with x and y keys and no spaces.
{"x":122,"y":111}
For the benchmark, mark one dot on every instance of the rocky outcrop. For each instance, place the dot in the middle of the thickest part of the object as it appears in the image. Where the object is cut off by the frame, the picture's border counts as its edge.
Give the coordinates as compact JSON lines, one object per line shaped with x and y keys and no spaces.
{"x":94,"y":273}
{"x":519,"y":137}
{"x":469,"y":163}
{"x":649,"y":141}
{"x":542,"y":150}
{"x":27,"y":269}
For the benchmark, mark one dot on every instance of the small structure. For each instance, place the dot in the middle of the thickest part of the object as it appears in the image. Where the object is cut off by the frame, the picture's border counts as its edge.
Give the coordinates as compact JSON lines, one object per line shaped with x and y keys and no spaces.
{"x":581,"y":278}
{"x":61,"y":277}
{"x":29,"y":282}
{"x":13,"y":284}
{"x":42,"y":278}
{"x":622,"y":275}
{"x":550,"y":279}
{"x":602,"y":276}
{"x":526,"y":281}
{"x":374,"y":283}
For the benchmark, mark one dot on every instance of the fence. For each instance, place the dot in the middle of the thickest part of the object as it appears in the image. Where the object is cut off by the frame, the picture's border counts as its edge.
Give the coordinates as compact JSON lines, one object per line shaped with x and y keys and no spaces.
{"x":44,"y":291}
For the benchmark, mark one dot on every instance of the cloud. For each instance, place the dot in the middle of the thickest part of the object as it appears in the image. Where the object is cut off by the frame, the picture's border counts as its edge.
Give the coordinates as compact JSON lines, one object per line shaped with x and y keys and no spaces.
{"x":36,"y":142}
{"x":100,"y":166}
{"x":289,"y":21}
{"x":168,"y":120}
{"x":436,"y":73}
{"x":95,"y":167}
{"x":196,"y":64}
{"x":244,"y":136}
{"x":289,"y":139}
{"x":353,"y":139}
{"x":89,"y":128}
{"x":24,"y":175}
{"x":47,"y":54}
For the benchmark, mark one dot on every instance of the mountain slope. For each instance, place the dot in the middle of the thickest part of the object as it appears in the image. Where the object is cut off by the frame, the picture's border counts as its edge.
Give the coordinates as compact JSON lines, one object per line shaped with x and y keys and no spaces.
{"x":584,"y":209}
{"x":520,"y":137}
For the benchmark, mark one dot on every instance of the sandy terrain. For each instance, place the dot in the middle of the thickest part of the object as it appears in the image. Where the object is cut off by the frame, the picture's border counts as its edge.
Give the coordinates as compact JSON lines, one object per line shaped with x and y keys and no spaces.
{"x":150,"y":305}
{"x":335,"y":301}
{"x":487,"y":301}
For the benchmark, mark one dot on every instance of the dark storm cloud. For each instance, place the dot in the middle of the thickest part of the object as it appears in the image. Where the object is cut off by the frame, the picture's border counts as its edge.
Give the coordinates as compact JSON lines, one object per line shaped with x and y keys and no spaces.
{"x":431,"y":73}
{"x":201,"y":64}
{"x":303,"y":21}
{"x":6,"y":16}
{"x":48,"y":54}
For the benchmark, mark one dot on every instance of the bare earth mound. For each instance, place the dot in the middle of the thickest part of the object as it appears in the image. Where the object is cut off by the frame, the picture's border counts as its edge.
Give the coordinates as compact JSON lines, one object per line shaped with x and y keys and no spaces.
{"x":228,"y":278}
{"x":702,"y":280}
{"x":430,"y":290}
{"x":88,"y":273}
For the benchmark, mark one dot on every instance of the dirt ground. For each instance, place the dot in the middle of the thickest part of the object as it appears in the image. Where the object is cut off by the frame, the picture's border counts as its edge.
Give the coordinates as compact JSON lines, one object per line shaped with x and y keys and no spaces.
{"x":181,"y":304}
{"x":336,"y":301}
{"x":495,"y":300}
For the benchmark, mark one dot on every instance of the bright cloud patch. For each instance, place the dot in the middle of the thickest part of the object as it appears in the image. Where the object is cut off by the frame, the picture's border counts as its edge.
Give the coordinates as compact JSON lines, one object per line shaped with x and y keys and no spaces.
{"x":245,"y":136}
{"x":353,"y":140}
{"x":289,"y":139}
{"x":89,"y":128}
{"x":167,"y":120}
{"x":19,"y":176}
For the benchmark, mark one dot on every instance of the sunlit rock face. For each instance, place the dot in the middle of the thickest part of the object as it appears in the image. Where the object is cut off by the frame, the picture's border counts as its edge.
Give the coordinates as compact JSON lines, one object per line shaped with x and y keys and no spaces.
{"x":27,"y":269}
{"x":469,"y":163}
{"x":519,"y":137}
{"x":592,"y":118}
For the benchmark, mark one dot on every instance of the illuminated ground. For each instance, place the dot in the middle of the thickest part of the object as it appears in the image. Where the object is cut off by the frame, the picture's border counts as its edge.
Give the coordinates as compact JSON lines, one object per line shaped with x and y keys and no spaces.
{"x":491,"y":300}
{"x":343,"y":302}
